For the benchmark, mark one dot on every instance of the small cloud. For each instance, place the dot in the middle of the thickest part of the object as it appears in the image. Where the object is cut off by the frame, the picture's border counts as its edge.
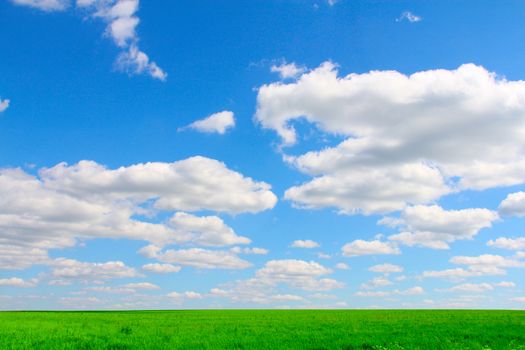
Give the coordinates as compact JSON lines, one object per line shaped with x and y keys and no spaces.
{"x":3,"y":105}
{"x":216,"y":123}
{"x":288,"y":70}
{"x":342,"y":266}
{"x":332,"y":2}
{"x":308,"y":244}
{"x":409,"y":16}
{"x":44,"y":5}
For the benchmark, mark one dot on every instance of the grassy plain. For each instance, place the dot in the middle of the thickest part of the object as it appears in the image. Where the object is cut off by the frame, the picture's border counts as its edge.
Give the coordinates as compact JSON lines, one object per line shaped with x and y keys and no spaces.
{"x":264,"y":329}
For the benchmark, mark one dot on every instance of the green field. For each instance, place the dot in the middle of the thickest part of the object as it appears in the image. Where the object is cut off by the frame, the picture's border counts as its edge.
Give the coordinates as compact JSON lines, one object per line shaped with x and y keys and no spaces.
{"x":264,"y":329}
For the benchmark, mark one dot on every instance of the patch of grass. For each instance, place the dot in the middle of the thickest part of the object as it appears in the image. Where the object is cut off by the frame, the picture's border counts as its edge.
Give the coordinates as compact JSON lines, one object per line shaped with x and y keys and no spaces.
{"x":265,"y":329}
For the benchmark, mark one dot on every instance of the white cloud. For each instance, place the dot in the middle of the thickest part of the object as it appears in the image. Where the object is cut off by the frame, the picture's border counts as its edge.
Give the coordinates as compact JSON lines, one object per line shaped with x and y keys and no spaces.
{"x":376,"y":282}
{"x":386,"y":268}
{"x":376,"y":247}
{"x":472,"y":287}
{"x":288,"y":70}
{"x":410,"y":139}
{"x":73,"y":269}
{"x":410,"y":17}
{"x":4,"y":104}
{"x":66,"y":203}
{"x":216,"y":123}
{"x":461,"y":273}
{"x":205,"y":230}
{"x":142,"y":285}
{"x":342,"y":266}
{"x":508,"y":243}
{"x":249,"y":251}
{"x":410,"y":291}
{"x":199,"y":258}
{"x":505,"y":284}
{"x":17,"y":282}
{"x":513,"y":205}
{"x":192,"y":295}
{"x":434,"y":227}
{"x":121,"y":19}
{"x":161,"y":268}
{"x":487,"y":260}
{"x":304,"y":244}
{"x":519,"y":299}
{"x":44,"y":5}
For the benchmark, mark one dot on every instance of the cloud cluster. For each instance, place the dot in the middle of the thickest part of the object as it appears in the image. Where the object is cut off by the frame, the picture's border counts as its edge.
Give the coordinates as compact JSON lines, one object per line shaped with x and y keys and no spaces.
{"x":308,"y":244}
{"x":86,"y":200}
{"x":409,"y":139}
{"x":122,"y":21}
{"x":362,"y":247}
{"x":434,"y":227}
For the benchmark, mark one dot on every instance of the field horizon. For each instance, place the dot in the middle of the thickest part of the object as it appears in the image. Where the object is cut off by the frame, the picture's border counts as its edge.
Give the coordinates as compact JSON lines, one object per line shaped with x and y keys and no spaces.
{"x":263,"y":329}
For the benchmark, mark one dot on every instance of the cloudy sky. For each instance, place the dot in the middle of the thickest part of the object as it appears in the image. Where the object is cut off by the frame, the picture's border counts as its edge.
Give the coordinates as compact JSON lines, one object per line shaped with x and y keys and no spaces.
{"x":267,"y":154}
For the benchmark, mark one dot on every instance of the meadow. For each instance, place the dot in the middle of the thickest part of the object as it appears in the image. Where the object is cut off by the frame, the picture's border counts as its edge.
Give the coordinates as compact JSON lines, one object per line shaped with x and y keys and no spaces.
{"x":264,"y":329}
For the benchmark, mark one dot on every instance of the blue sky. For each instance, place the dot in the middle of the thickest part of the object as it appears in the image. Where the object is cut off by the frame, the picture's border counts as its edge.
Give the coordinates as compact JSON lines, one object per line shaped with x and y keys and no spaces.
{"x":267,"y":154}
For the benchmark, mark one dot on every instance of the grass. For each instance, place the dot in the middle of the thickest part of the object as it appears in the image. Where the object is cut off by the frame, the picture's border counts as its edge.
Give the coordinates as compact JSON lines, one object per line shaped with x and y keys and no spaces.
{"x":264,"y":329}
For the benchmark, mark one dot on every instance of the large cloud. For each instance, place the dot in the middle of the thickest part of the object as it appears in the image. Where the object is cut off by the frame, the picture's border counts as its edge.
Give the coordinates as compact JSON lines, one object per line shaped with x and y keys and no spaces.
{"x":409,"y":139}
{"x":86,"y":200}
{"x":434,"y":227}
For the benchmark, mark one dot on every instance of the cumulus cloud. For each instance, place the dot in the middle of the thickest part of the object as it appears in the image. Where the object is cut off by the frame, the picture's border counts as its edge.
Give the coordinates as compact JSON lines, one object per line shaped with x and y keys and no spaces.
{"x":434,"y":227}
{"x":386,"y":268}
{"x":197,"y":257}
{"x":513,"y":205}
{"x":410,"y":17}
{"x":304,"y":244}
{"x":142,"y":285}
{"x":376,"y":247}
{"x":122,"y":21}
{"x":218,"y":123}
{"x":410,"y":139}
{"x":249,"y":251}
{"x":472,"y":287}
{"x":4,"y":104}
{"x":161,"y":268}
{"x":73,"y":269}
{"x":63,"y":204}
{"x":376,"y":282}
{"x":508,"y":243}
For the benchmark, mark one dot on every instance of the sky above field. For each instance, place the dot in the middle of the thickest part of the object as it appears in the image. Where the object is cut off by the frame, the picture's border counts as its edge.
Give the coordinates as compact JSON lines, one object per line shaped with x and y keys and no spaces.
{"x":262,"y":154}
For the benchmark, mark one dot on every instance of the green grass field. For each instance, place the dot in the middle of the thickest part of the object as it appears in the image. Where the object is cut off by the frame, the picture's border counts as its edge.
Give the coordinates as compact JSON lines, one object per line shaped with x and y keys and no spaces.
{"x":264,"y":329}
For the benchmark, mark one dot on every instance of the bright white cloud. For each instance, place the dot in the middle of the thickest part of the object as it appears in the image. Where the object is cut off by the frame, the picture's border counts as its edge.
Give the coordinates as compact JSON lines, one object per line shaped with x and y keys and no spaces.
{"x":513,"y":205}
{"x":410,"y":17}
{"x":410,"y":139}
{"x":287,"y":70}
{"x":508,"y":243}
{"x":308,"y":244}
{"x":434,"y":227}
{"x":205,"y":230}
{"x":386,"y":268}
{"x":161,"y":268}
{"x":86,"y":200}
{"x":44,"y":5}
{"x":376,"y":247}
{"x":216,"y":123}
{"x":4,"y":104}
